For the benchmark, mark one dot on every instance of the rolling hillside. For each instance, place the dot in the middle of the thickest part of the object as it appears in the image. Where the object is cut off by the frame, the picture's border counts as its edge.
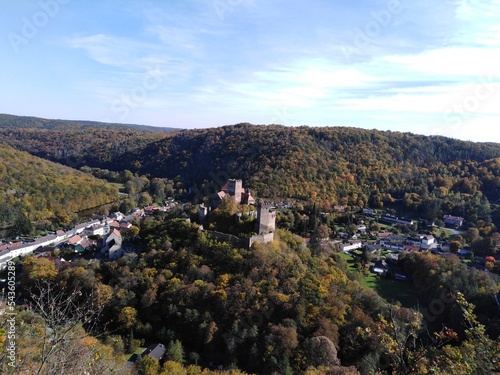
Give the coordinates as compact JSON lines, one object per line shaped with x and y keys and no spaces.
{"x":337,"y":165}
{"x":77,"y":143}
{"x":42,"y":189}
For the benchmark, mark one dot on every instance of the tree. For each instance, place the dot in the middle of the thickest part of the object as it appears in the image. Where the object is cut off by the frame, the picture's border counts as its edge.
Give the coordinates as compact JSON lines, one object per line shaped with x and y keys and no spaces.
{"x":54,"y":335}
{"x":455,"y":246}
{"x":321,"y":234}
{"x":127,"y":317}
{"x":478,"y":354}
{"x":366,"y":256}
{"x":145,"y":199}
{"x":175,"y":352}
{"x":472,"y":234}
{"x":131,"y":232}
{"x":37,"y":270}
{"x":149,"y":366}
{"x":321,"y":352}
{"x":22,"y":226}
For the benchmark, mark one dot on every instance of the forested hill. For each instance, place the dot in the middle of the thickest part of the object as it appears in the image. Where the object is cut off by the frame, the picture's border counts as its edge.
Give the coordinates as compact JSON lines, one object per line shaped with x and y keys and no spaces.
{"x":28,"y":122}
{"x":39,"y":189}
{"x":78,"y":143}
{"x":343,"y":165}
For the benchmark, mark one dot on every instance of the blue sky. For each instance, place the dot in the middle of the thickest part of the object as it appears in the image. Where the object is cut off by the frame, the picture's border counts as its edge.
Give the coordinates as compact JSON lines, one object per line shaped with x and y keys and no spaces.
{"x":419,"y":66}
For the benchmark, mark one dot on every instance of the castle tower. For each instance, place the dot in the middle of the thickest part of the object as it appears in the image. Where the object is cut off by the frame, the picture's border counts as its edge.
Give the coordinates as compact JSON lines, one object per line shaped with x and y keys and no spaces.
{"x":235,"y":188}
{"x":266,"y":219}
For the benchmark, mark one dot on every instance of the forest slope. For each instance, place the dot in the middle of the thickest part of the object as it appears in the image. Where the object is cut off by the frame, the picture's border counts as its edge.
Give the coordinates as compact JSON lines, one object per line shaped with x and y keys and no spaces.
{"x":77,"y":143}
{"x":40,"y":189}
{"x":305,"y":154}
{"x":340,"y":165}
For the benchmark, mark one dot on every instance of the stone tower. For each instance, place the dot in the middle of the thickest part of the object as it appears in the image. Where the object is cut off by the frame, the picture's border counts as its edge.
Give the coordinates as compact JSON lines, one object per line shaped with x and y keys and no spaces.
{"x":266,"y":219}
{"x":235,"y":188}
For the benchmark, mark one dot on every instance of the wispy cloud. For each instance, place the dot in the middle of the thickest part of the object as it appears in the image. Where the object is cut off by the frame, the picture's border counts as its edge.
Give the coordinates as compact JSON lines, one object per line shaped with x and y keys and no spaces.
{"x":420,"y":65}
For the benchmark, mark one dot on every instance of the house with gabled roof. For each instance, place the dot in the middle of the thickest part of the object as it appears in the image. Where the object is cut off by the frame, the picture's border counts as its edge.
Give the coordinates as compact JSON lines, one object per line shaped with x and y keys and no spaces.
{"x":75,"y":240}
{"x":156,"y":351}
{"x":453,"y":221}
{"x":112,"y":244}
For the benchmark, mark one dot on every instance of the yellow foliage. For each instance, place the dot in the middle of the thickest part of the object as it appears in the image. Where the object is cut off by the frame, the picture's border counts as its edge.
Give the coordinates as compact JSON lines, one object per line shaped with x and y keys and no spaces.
{"x":223,"y":280}
{"x":173,"y":368}
{"x":37,"y":269}
{"x":89,"y":341}
{"x":221,"y":294}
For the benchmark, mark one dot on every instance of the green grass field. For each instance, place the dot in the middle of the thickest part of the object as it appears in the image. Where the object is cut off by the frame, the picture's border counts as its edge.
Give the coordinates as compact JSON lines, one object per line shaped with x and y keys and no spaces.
{"x":390,"y":290}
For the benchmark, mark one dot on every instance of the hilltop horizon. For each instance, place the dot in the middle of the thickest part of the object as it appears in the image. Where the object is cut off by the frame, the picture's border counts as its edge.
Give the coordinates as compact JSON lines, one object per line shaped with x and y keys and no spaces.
{"x":162,"y":128}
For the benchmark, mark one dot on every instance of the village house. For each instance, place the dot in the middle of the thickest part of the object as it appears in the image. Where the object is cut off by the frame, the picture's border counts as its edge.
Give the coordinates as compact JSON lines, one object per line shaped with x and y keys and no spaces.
{"x":148,"y":210}
{"x":453,"y":221}
{"x":368,"y":211}
{"x":124,"y":225}
{"x":97,"y":229}
{"x":352,"y":245}
{"x":86,"y":244}
{"x":414,"y":241}
{"x":81,"y":227}
{"x":156,"y":351}
{"x":429,"y":242}
{"x":425,"y":242}
{"x":392,"y":219}
{"x":393,"y":242}
{"x":75,"y":240}
{"x":11,"y":251}
{"x":117,"y":216}
{"x":112,"y":244}
{"x":411,"y":248}
{"x":361,"y":228}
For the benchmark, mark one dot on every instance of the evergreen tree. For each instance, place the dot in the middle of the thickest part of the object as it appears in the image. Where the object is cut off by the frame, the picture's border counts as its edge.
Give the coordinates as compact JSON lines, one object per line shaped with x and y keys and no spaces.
{"x":175,"y":351}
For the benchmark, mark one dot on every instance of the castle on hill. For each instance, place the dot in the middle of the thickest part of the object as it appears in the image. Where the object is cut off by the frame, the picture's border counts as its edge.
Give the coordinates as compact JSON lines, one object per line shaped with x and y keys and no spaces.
{"x":233,"y":188}
{"x":265,"y":225}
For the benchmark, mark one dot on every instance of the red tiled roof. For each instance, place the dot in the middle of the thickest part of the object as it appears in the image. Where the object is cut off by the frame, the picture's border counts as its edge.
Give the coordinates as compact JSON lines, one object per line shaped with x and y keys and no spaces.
{"x":74,"y":240}
{"x":115,"y":231}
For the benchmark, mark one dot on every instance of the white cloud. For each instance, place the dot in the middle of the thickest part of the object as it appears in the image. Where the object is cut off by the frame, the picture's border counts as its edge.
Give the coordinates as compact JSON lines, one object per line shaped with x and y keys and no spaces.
{"x":453,"y":61}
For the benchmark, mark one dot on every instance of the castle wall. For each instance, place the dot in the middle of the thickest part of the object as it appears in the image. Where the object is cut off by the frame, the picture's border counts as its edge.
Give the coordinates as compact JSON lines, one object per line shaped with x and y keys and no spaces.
{"x":261,"y":238}
{"x":233,"y":240}
{"x":240,"y":241}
